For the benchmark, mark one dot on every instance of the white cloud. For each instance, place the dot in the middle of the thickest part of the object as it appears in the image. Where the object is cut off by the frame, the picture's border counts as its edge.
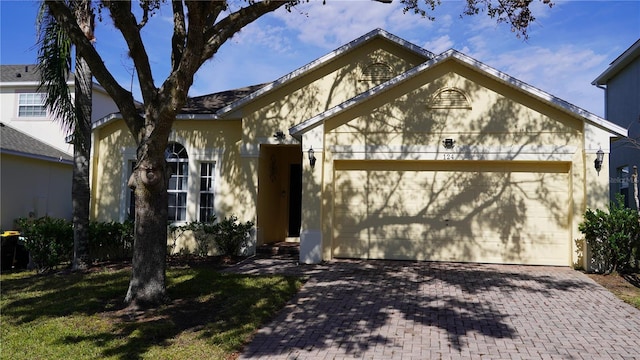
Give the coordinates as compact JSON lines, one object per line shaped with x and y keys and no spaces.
{"x":439,"y":45}
{"x":337,"y":22}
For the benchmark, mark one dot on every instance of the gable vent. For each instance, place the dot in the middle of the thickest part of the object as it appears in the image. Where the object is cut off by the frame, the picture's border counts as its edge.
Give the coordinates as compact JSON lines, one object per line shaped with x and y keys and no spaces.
{"x":449,"y":98}
{"x":376,"y":72}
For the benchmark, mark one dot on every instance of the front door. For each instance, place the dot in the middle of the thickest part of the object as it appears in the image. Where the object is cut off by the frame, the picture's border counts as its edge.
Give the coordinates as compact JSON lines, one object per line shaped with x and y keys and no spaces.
{"x":295,"y":199}
{"x":279,"y":192}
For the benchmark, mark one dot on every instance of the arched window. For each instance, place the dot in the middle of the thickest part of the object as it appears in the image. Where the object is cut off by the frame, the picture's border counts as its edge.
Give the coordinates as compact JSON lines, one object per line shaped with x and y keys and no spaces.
{"x":449,"y":98}
{"x":376,"y":72}
{"x":178,"y":162}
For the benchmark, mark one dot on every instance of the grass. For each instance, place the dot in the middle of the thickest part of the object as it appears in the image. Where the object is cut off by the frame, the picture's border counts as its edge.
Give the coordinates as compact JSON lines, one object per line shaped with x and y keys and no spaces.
{"x":81,"y":316}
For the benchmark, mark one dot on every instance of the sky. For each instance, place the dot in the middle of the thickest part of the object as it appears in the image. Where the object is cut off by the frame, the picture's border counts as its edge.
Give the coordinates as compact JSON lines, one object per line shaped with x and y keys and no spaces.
{"x":569,"y":45}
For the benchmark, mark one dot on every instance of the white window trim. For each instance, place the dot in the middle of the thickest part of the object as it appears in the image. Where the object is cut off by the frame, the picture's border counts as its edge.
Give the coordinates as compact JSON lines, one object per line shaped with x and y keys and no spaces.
{"x":193,"y":196}
{"x":19,"y":105}
{"x":128,"y":155}
{"x":212,"y":155}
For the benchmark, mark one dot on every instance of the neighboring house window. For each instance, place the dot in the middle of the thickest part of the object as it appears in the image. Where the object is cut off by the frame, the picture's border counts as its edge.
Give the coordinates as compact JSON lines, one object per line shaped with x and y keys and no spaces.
{"x":178,"y":162}
{"x":31,"y":105}
{"x":449,"y":98}
{"x":376,"y":72}
{"x":206,"y":190}
{"x":623,"y":183}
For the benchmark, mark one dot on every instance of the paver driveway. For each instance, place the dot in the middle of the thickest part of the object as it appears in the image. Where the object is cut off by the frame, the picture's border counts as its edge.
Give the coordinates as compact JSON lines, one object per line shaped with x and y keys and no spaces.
{"x":427,"y":310}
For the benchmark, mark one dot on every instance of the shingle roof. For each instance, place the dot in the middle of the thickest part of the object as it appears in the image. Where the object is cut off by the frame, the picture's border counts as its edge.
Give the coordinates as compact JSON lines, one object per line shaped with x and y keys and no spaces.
{"x":15,"y":142}
{"x":21,"y":73}
{"x":209,"y":104}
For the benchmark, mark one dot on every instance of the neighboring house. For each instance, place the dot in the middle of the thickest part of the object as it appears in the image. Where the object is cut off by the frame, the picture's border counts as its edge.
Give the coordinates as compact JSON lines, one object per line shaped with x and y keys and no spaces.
{"x":36,"y":168}
{"x":381,"y":150}
{"x":22,"y":105}
{"x":35,"y":179}
{"x":621,"y":83}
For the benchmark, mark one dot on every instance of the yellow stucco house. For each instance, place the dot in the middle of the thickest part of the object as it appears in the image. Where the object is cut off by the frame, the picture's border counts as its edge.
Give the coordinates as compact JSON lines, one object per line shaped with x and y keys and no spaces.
{"x":381,"y":150}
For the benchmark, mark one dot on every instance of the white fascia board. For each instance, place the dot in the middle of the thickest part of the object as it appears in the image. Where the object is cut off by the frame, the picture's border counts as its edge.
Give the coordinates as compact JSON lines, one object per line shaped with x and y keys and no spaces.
{"x":541,"y":94}
{"x":306,"y":125}
{"x":37,"y":157}
{"x":475,"y":64}
{"x":105,"y":120}
{"x":323,"y":60}
{"x":618,"y":64}
{"x":197,"y":117}
{"x":19,"y":84}
{"x":118,"y":116}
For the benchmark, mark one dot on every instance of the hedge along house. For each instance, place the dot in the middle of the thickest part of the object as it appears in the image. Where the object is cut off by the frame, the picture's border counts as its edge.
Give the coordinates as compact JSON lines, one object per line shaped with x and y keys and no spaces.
{"x":382,"y":150}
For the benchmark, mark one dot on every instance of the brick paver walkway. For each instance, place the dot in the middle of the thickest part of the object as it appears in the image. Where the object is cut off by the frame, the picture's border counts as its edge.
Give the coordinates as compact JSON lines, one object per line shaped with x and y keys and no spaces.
{"x":425,"y":310}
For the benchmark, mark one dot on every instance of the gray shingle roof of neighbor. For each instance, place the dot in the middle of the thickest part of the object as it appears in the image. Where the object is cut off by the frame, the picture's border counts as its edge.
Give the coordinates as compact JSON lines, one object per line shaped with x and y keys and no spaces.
{"x":15,"y":142}
{"x":21,"y":73}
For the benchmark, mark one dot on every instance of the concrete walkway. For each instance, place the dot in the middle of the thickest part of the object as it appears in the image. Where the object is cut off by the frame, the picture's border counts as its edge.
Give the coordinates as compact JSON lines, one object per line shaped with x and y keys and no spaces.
{"x":425,"y":310}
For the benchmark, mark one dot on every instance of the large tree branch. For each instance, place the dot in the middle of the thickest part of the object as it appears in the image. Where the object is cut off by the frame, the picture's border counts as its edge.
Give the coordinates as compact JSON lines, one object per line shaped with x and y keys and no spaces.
{"x":219,"y":33}
{"x":123,"y":98}
{"x":179,"y":34}
{"x":124,"y":20}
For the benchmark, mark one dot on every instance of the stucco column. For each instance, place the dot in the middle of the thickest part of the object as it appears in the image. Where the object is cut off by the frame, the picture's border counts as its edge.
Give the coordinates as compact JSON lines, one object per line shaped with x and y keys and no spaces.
{"x":597,"y":183}
{"x":310,"y":232}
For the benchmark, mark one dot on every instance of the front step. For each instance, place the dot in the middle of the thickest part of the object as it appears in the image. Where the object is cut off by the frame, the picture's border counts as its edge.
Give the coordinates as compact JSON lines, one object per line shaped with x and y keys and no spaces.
{"x":280,"y":248}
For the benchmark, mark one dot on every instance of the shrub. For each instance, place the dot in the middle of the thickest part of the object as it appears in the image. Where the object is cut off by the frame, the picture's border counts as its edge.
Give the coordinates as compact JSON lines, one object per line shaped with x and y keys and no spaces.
{"x":110,"y":240}
{"x":230,"y":236}
{"x":613,"y":237}
{"x":49,"y":241}
{"x":202,"y":233}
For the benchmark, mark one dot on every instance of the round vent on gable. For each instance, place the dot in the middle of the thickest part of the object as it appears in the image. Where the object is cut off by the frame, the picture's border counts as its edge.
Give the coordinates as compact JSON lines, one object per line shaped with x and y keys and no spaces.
{"x":376,"y":72}
{"x":449,"y":98}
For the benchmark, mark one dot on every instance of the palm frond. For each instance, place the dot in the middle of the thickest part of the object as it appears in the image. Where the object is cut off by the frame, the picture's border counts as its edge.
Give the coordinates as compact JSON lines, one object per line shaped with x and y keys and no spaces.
{"x":54,"y":63}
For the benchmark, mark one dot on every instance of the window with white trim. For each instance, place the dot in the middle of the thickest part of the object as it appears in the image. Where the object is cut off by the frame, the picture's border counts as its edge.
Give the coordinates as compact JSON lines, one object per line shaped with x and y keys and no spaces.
{"x":206,"y":209}
{"x":181,"y":190}
{"x":178,"y":162}
{"x":31,"y":105}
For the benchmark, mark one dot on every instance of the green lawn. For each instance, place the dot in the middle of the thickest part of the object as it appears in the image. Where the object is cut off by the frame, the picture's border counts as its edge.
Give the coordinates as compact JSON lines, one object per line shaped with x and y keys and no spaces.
{"x":81,"y":316}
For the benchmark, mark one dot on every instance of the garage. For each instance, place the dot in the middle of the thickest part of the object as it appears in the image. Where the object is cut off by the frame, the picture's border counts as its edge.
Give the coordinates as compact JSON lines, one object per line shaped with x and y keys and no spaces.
{"x":514,"y":212}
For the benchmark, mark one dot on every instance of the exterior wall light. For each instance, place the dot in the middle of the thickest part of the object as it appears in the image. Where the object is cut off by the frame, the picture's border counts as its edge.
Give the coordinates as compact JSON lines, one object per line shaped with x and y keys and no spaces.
{"x":312,"y":158}
{"x":597,"y":163}
{"x":448,"y":143}
{"x":279,"y":135}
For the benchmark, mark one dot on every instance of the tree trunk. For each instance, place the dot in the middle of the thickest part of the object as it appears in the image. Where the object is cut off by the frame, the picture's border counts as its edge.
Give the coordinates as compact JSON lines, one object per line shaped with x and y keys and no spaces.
{"x":80,"y":188}
{"x":149,"y":181}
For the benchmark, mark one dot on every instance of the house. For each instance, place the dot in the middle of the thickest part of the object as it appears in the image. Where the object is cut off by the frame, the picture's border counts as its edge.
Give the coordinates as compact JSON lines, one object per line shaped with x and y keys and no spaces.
{"x":22,"y":105}
{"x":36,"y":158}
{"x":381,"y":150}
{"x":621,"y":83}
{"x":35,"y":179}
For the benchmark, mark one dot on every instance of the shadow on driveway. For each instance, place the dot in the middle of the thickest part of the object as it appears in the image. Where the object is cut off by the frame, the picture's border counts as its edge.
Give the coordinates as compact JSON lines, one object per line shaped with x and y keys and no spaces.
{"x":424,"y":310}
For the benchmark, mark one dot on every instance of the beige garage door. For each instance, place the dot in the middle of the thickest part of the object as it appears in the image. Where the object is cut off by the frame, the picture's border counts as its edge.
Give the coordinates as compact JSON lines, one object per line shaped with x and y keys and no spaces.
{"x":495,"y":212}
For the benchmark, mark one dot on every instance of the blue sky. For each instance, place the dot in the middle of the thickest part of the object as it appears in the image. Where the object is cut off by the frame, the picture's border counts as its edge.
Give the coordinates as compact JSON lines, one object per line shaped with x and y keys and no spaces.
{"x":569,"y":45}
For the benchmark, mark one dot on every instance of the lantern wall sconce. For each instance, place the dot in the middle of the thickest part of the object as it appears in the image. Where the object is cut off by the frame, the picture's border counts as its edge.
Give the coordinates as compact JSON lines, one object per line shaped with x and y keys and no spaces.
{"x":597,"y":163}
{"x":279,"y":135}
{"x":448,"y":143}
{"x":312,"y":157}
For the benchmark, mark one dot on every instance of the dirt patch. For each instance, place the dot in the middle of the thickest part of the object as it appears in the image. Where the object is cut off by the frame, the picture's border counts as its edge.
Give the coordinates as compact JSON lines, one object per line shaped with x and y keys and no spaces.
{"x":626,"y":287}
